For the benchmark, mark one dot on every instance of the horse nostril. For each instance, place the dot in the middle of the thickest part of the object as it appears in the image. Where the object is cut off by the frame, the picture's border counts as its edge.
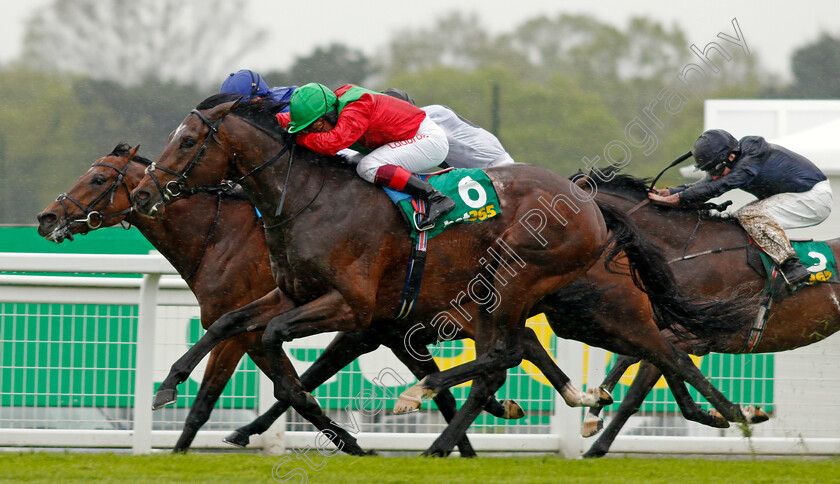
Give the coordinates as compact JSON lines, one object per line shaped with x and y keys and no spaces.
{"x":46,"y":218}
{"x":141,"y":196}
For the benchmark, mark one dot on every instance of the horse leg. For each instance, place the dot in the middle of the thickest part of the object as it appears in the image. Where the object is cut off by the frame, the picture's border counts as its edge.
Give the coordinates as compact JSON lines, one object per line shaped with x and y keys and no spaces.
{"x":411,"y":399}
{"x":223,"y":362}
{"x":725,"y":408}
{"x":501,"y":346}
{"x":645,"y":379}
{"x":536,"y":354}
{"x":341,"y":351}
{"x":592,"y":422}
{"x":444,"y":400}
{"x":253,"y":317}
{"x":329,"y":312}
{"x":342,"y":440}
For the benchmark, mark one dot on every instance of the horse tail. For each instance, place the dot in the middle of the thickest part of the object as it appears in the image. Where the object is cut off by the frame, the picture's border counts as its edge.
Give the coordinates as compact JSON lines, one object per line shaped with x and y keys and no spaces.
{"x":652,"y":274}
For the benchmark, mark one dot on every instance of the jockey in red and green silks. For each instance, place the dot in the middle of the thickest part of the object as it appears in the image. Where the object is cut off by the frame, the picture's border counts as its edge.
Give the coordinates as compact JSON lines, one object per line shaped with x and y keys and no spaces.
{"x":395,"y":138}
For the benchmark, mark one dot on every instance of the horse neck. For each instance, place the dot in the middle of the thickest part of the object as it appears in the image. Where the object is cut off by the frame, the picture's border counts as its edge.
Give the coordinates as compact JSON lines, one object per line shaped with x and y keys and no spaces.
{"x":306,"y":181}
{"x":676,"y":230}
{"x":179,"y":235}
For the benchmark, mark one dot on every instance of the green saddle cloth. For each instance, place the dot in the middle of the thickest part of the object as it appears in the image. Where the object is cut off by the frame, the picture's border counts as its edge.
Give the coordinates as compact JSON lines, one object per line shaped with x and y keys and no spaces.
{"x":816,"y":256}
{"x":472,"y":191}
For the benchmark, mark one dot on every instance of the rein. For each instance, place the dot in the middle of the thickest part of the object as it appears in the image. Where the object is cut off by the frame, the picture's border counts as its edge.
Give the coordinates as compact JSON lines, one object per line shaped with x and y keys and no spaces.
{"x":180,"y":186}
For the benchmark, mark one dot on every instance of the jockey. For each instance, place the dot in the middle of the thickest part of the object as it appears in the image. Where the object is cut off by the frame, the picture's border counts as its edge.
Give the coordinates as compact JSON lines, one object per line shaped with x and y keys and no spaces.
{"x":249,"y":83}
{"x":470,"y":146}
{"x":395,"y":138}
{"x":792,"y":192}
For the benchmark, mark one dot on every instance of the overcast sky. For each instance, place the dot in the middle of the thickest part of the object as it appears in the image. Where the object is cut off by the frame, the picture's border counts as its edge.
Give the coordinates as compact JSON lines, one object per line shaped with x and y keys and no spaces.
{"x":773,"y":29}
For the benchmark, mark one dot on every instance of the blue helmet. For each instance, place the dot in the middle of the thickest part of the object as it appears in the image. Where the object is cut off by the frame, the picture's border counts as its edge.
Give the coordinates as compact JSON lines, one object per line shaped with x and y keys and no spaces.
{"x":245,"y":82}
{"x":712,"y":149}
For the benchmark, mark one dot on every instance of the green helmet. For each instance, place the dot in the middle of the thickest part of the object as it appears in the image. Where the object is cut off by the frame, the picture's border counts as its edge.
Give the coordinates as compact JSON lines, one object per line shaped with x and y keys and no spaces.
{"x":308,"y":103}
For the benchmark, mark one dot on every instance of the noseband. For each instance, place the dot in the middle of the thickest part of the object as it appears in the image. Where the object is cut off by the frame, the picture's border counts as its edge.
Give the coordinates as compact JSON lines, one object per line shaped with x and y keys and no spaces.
{"x":93,"y":218}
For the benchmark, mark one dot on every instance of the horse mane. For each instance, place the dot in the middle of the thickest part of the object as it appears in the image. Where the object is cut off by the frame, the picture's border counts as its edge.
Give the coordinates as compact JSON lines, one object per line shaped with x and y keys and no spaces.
{"x":260,"y":111}
{"x":216,"y":99}
{"x":611,"y":181}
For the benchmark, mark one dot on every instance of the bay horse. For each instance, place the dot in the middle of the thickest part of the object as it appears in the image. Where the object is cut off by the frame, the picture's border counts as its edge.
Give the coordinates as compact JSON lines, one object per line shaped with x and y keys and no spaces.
{"x":341,"y":265}
{"x":225,"y":269}
{"x":707,"y":255}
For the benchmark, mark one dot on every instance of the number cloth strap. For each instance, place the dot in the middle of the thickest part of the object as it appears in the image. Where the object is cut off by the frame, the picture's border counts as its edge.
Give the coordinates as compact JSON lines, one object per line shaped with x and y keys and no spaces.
{"x":472,"y":191}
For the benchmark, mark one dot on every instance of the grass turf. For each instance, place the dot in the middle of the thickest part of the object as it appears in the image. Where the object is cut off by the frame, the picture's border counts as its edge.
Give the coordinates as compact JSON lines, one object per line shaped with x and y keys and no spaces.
{"x":231,"y":468}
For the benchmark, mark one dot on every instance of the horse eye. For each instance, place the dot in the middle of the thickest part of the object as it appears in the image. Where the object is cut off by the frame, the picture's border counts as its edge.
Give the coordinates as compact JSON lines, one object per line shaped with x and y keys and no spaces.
{"x":98,"y":180}
{"x":187,"y":143}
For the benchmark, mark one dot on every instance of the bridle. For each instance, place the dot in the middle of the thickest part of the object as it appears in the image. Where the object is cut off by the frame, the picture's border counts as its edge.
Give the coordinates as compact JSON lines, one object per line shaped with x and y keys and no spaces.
{"x":180,"y":186}
{"x":93,"y":218}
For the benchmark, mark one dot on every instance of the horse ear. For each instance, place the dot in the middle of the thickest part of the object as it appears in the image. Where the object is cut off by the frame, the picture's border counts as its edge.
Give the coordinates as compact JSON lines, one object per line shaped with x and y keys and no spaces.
{"x":582,"y":180}
{"x":133,"y":152}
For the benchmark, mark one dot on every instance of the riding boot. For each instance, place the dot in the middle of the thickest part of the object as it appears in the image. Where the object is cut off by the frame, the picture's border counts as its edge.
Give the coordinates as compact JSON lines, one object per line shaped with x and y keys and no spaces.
{"x":438,"y":203}
{"x":795,"y":273}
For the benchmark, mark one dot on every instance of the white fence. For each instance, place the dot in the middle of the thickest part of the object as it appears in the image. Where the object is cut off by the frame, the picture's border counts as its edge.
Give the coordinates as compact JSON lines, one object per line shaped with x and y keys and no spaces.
{"x":81,"y":353}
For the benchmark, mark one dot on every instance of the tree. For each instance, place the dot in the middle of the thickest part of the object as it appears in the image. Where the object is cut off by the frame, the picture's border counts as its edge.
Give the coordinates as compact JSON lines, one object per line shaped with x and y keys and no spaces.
{"x":552,"y":124}
{"x":332,"y":66}
{"x":131,"y":42}
{"x":816,"y":69}
{"x":455,"y":41}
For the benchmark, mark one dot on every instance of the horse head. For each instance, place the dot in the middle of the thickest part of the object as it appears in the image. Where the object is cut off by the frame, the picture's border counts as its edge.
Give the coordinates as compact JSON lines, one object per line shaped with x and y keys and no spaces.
{"x":196,"y":157}
{"x":100,"y":198}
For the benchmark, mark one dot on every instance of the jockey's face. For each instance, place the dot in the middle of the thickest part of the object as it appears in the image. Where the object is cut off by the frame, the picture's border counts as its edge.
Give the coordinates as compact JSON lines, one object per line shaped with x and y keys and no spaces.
{"x":320,"y":125}
{"x":723,"y":174}
{"x":726,"y":170}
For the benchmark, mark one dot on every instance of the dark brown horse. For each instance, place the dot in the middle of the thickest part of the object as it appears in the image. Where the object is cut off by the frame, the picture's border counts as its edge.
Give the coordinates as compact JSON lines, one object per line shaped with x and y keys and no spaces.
{"x":692,"y":238}
{"x":223,"y":268}
{"x":339,"y":255}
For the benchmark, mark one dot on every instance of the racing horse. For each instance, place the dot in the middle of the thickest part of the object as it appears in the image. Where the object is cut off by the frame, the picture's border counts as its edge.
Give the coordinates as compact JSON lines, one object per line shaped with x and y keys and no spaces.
{"x":338,"y":256}
{"x":225,"y":269}
{"x":96,"y":201}
{"x":220,"y":280}
{"x":707,"y":255}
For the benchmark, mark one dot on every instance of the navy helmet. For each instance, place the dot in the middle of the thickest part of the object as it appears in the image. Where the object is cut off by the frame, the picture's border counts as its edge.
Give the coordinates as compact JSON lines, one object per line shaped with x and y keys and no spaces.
{"x":712,"y":150}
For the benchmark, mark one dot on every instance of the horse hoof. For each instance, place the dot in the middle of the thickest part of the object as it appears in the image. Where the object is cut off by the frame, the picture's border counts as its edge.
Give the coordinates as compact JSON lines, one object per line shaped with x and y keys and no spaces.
{"x":755,"y":415}
{"x":412,"y":398}
{"x":604,"y":397}
{"x":591,"y":425}
{"x":164,"y":397}
{"x":718,"y":420}
{"x":435,"y":452}
{"x":237,"y":439}
{"x":406,"y":404}
{"x":513,"y":411}
{"x":593,"y":454}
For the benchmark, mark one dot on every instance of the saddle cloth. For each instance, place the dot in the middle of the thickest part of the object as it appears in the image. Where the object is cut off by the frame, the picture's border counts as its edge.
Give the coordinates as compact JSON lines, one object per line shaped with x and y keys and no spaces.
{"x":470,"y":188}
{"x":816,"y":256}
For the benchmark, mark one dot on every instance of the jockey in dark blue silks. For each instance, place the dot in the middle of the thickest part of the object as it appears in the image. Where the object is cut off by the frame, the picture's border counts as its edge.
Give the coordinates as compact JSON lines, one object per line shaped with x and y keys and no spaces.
{"x":249,"y":83}
{"x":792,"y":192}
